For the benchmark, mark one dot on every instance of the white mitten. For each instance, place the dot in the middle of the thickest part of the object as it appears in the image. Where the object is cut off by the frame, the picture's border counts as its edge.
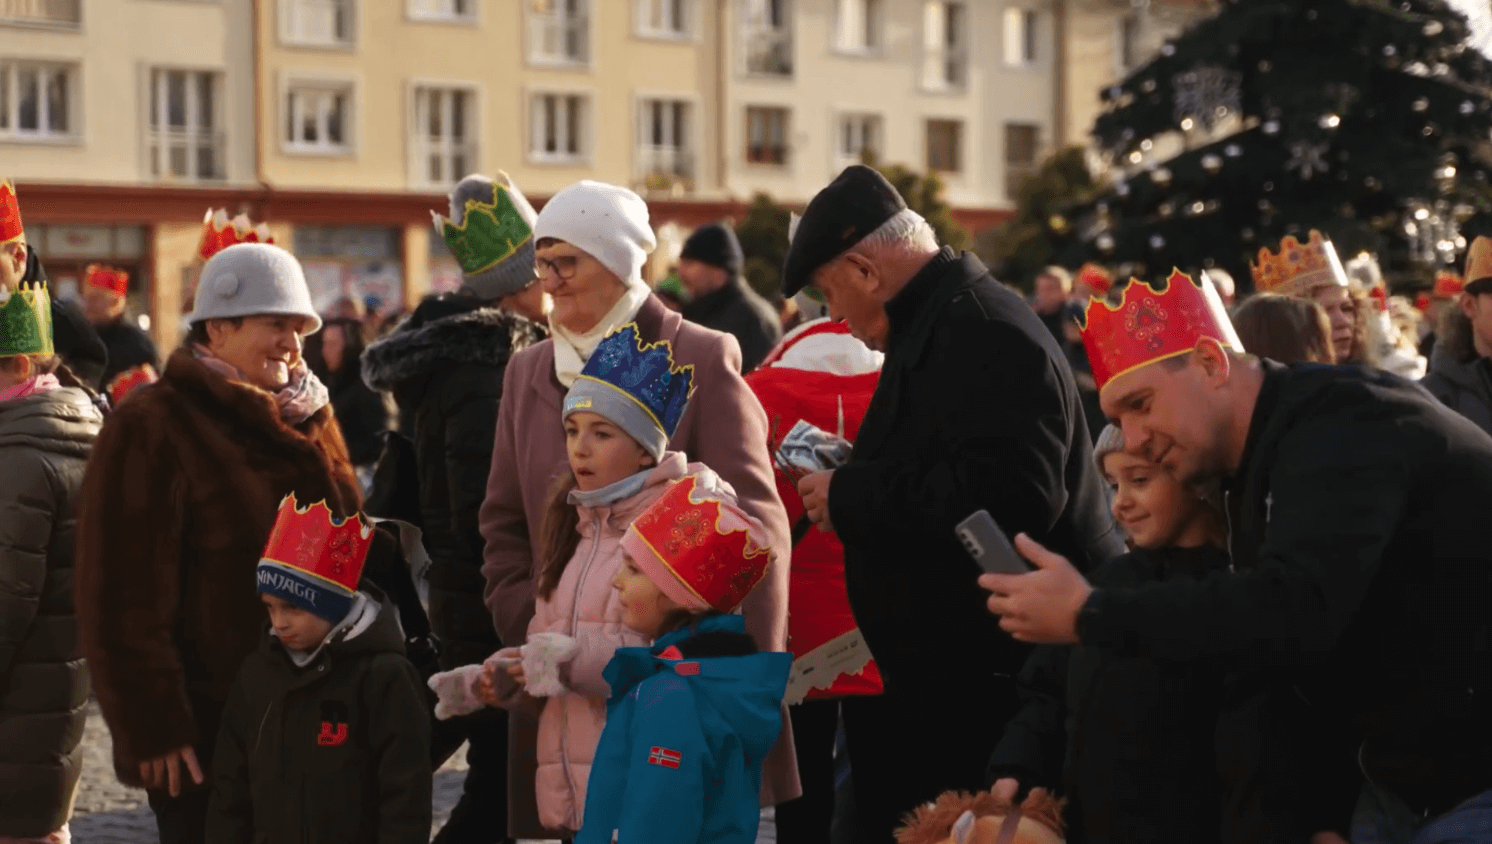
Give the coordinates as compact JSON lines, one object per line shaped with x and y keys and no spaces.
{"x":543,"y":654}
{"x":457,"y":690}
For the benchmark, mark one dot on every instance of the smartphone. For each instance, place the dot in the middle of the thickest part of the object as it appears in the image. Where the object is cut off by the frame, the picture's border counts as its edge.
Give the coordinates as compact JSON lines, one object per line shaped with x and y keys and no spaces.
{"x":989,"y":547}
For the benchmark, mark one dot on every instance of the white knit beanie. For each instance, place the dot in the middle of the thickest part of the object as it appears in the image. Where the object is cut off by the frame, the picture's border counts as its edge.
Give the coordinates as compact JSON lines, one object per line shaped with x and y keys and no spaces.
{"x":607,"y":222}
{"x":249,"y":279}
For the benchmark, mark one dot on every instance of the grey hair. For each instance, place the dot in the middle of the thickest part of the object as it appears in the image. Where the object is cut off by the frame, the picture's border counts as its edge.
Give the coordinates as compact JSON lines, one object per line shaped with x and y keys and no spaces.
{"x":906,"y":231}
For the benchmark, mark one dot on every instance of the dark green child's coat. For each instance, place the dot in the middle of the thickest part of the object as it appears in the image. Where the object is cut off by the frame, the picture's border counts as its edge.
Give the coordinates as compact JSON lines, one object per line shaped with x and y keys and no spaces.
{"x":337,"y":751}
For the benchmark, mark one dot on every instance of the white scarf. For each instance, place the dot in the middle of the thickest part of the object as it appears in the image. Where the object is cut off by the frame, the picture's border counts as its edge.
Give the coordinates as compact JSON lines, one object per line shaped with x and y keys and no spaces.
{"x":572,"y":350}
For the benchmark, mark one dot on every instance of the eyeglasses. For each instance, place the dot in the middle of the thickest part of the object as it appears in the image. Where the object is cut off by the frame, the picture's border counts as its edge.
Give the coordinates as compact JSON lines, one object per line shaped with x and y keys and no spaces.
{"x":562,"y":267}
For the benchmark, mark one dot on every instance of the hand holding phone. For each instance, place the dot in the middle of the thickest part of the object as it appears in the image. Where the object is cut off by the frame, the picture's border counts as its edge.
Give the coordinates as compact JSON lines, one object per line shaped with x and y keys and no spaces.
{"x":989,"y":546}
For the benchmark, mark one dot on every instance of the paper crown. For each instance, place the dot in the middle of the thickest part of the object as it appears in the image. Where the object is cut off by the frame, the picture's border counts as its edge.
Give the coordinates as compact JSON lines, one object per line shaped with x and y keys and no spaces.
{"x":10,"y":213}
{"x":488,"y":233}
{"x":314,"y":561}
{"x":645,"y":372}
{"x":1098,"y":279}
{"x":219,"y":232}
{"x":114,"y":280}
{"x":1449,"y":285}
{"x":1299,"y":268}
{"x":692,"y":539}
{"x":128,"y":380}
{"x":1150,"y":325}
{"x":1478,"y":263}
{"x":1422,"y":302}
{"x":26,"y":320}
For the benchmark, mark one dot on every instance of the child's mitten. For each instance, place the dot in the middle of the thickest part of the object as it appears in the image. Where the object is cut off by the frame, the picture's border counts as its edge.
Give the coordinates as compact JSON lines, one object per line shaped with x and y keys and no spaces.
{"x":457,"y":690}
{"x":543,"y":654}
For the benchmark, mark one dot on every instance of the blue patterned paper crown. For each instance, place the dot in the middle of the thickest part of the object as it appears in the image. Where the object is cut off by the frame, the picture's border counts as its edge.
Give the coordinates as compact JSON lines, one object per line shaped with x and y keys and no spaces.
{"x":646,"y":372}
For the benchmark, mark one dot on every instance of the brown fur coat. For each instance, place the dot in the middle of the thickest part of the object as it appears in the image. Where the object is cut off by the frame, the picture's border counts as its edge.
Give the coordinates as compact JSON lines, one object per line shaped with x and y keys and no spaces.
{"x":176,"y":505}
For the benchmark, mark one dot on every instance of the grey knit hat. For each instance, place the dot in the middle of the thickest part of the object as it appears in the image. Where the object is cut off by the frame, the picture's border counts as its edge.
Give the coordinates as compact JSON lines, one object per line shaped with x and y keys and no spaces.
{"x":1109,"y":441}
{"x":250,"y":279}
{"x":491,"y":234}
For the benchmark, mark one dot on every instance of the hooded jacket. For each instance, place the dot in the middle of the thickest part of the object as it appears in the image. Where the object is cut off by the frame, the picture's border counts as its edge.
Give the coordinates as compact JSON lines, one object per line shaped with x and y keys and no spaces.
{"x":680,"y":760}
{"x":1459,"y":377}
{"x":45,"y":441}
{"x":332,"y":752}
{"x":585,"y":607}
{"x":445,"y":367}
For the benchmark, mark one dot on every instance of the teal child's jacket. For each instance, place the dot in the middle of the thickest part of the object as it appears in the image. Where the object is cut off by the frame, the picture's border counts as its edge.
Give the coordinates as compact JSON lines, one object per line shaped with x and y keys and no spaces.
{"x":680,"y":759}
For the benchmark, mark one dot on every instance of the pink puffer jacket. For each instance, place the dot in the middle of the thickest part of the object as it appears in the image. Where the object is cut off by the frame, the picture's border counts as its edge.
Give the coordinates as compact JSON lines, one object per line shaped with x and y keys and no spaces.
{"x":585,"y":607}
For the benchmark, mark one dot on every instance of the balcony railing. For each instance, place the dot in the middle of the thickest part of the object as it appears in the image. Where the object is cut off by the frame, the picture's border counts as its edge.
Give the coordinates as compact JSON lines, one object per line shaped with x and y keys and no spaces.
{"x":186,"y":155}
{"x":769,"y":53}
{"x":666,"y":161}
{"x":51,"y":14}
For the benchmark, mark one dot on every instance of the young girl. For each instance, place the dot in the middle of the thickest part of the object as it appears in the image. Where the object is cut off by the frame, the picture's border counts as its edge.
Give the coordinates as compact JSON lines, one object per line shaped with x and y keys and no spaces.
{"x":689,"y":719}
{"x":618,"y":418}
{"x":1127,"y":740}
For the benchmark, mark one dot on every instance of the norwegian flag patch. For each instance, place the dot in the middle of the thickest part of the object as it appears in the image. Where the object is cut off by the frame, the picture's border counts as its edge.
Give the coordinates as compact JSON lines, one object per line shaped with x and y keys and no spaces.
{"x":665,"y":757}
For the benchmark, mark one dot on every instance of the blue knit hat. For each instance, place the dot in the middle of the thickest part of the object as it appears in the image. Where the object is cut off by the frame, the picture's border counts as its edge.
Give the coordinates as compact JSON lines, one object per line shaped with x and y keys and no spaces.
{"x":635,"y":385}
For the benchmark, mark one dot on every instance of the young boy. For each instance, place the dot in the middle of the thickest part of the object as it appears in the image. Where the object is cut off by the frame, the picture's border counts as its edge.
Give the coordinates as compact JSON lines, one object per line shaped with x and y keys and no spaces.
{"x":326,"y":736}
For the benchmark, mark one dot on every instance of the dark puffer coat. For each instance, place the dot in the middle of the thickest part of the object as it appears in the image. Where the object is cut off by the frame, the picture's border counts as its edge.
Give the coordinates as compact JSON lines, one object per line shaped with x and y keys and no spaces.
{"x":45,"y":441}
{"x":445,"y":367}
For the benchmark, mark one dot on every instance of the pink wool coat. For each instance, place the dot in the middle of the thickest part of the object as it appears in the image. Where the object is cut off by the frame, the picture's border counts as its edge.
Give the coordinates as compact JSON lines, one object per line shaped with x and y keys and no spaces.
{"x":724,"y":428}
{"x":585,"y":607}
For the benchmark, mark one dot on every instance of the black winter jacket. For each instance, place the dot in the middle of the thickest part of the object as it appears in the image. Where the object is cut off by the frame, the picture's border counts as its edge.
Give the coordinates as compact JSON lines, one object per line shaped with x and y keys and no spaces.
{"x":128,"y":347}
{"x":976,"y":409}
{"x":445,"y":365}
{"x":362,"y":414}
{"x":45,"y":441}
{"x":1461,"y":378}
{"x":1363,"y":581}
{"x":737,"y":310}
{"x":336,"y":751}
{"x":1127,"y":740}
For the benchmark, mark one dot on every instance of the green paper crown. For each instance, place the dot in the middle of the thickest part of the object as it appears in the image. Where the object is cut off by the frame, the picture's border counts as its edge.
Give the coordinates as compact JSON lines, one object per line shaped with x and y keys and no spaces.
{"x":488,"y":234}
{"x":26,"y":321}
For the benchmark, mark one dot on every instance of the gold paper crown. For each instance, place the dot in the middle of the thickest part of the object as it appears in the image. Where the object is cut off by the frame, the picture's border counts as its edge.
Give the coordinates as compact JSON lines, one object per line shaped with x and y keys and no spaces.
{"x":26,"y":321}
{"x":1300,"y":268}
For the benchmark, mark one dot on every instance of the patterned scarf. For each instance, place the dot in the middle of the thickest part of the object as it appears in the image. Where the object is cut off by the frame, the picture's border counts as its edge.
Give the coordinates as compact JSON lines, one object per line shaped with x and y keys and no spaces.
{"x":299,"y":400}
{"x":32,"y":386}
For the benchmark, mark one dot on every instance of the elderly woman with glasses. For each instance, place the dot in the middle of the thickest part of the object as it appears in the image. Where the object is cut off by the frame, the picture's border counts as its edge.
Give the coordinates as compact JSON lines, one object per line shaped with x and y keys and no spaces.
{"x":592,"y":242}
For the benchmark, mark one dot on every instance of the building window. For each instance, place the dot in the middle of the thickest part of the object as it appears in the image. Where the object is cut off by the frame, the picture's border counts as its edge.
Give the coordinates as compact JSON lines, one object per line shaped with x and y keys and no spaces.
{"x":36,"y":101}
{"x":945,"y":146}
{"x":858,"y":26}
{"x":559,"y":31}
{"x":47,"y":14}
{"x":859,"y":139}
{"x":1021,"y":149}
{"x":663,"y":135}
{"x":443,"y":10}
{"x":186,"y":126}
{"x":318,"y":119}
{"x":444,"y":135}
{"x":766,"y":135}
{"x":664,"y":18}
{"x":557,"y":124}
{"x":945,"y":44}
{"x":768,"y":36}
{"x":1020,"y":37}
{"x":1129,"y":42}
{"x":318,"y":23}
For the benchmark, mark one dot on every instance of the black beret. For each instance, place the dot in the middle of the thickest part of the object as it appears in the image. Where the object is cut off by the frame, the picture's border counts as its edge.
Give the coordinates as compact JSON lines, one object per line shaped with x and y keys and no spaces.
{"x":855,"y":204}
{"x":716,"y":245}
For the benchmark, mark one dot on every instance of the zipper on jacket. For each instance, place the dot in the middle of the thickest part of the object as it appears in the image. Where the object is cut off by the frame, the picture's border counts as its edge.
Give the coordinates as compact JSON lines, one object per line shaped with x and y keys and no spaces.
{"x":1228,"y":518}
{"x":564,"y":710}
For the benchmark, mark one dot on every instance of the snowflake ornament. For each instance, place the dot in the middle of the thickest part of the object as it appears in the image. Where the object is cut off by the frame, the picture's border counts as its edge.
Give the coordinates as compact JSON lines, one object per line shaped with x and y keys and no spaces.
{"x":1307,"y":159}
{"x":1207,"y":94}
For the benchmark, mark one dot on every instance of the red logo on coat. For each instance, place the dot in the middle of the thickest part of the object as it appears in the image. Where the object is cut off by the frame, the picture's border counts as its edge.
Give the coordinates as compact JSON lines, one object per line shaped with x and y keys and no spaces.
{"x":333,"y":724}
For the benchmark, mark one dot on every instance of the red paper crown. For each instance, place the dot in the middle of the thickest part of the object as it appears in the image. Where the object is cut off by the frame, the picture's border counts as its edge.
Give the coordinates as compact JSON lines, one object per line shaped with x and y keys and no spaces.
{"x":219,"y":232}
{"x":10,"y":213}
{"x":114,"y":280}
{"x":1098,"y":279}
{"x":1150,"y":325}
{"x":1448,"y":285}
{"x":1422,"y":302}
{"x":705,"y":543}
{"x":128,"y":380}
{"x":313,"y":543}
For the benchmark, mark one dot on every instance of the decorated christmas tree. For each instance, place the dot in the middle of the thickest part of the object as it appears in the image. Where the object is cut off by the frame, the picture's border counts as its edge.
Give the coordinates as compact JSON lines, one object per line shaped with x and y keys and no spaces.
{"x":1368,"y":120}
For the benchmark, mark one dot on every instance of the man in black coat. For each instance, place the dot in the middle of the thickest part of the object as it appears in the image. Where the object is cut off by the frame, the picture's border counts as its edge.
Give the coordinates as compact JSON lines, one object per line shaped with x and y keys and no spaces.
{"x":710,"y":267}
{"x":104,"y":302}
{"x":445,"y":367}
{"x":1362,"y":581}
{"x":976,"y":409}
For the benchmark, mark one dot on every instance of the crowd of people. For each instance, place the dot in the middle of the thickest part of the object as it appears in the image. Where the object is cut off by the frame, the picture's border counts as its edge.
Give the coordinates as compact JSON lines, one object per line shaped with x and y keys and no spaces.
{"x":549,"y":516}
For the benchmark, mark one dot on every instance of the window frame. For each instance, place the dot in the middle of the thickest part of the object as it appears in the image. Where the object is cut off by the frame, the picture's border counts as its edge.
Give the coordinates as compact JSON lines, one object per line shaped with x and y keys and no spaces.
{"x":288,"y":38}
{"x":642,"y":29}
{"x":470,"y":18}
{"x":690,"y":135}
{"x":873,"y":26}
{"x":584,"y":139}
{"x":418,"y":140}
{"x":534,"y":19}
{"x":960,"y":145}
{"x":10,"y":101}
{"x":1029,"y":37}
{"x":47,"y":24}
{"x":943,"y":53}
{"x":219,"y":128}
{"x":839,"y":158}
{"x":1026,"y":168}
{"x":775,"y":38}
{"x":295,"y":80}
{"x":787,"y":135}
